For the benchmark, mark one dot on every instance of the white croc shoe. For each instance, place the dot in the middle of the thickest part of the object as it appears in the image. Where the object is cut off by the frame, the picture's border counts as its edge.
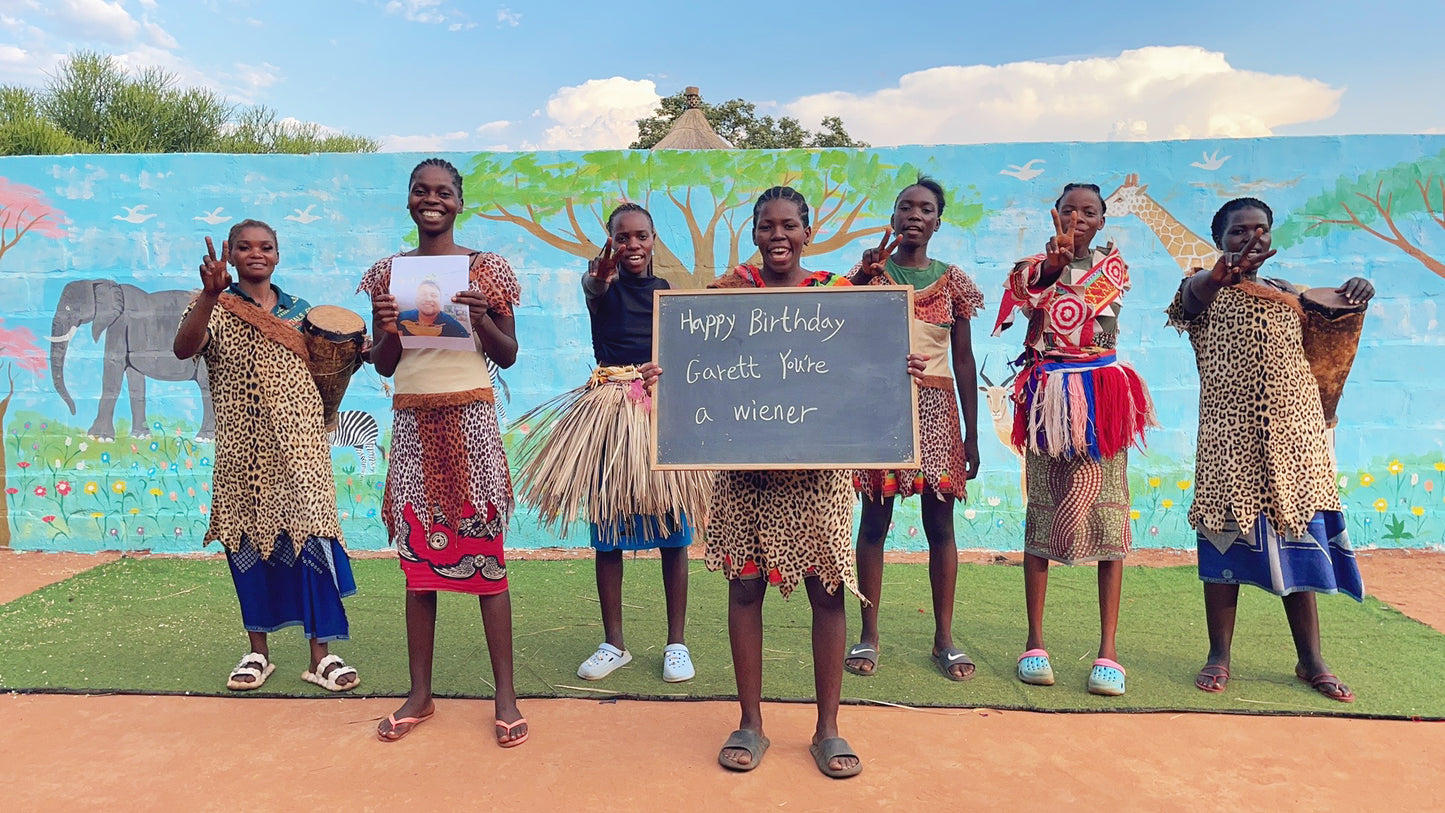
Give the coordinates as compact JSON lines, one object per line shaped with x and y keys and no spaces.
{"x":677,"y":664}
{"x":606,"y":660}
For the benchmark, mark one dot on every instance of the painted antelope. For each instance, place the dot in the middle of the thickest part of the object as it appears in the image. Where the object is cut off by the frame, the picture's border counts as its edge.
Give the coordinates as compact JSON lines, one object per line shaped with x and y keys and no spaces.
{"x":1000,"y":410}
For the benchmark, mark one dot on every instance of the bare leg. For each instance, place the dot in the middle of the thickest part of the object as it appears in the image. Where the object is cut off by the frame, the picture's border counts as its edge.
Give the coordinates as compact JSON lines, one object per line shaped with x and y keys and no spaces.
{"x":1304,"y":625}
{"x":497,"y":623}
{"x":830,"y":637}
{"x":1036,"y":587}
{"x":745,"y":634}
{"x":1111,"y":585}
{"x":1221,"y":601}
{"x":319,"y":651}
{"x":609,"y":595}
{"x":942,"y":571}
{"x":421,"y":625}
{"x":259,"y":646}
{"x":872,"y":531}
{"x":674,"y":589}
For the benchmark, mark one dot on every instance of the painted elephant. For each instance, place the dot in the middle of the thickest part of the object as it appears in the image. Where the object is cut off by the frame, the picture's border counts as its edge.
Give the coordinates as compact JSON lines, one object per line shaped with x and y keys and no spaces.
{"x":139,"y":328}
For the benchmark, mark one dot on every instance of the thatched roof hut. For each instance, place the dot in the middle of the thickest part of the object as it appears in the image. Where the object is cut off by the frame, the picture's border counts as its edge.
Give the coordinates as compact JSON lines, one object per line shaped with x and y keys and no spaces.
{"x":691,"y":131}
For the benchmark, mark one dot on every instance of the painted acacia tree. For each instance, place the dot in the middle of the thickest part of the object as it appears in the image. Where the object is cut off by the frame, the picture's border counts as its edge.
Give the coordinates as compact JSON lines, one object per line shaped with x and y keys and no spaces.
{"x":564,"y":200}
{"x":1385,"y":204}
{"x":18,"y":352}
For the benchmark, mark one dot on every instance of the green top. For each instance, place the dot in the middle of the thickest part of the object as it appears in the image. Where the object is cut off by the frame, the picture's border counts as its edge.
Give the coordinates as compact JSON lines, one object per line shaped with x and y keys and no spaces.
{"x":919,"y":278}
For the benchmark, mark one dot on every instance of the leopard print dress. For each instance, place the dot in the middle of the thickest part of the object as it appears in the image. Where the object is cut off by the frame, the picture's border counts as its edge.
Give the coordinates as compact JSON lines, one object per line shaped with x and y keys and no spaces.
{"x":782,"y":525}
{"x":448,"y":494}
{"x":1262,"y":449}
{"x":943,"y":461}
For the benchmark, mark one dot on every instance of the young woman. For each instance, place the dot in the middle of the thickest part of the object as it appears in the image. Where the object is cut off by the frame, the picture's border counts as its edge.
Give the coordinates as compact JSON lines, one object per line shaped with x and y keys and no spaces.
{"x":754,"y":534}
{"x":448,"y":493}
{"x":946,"y":299}
{"x":1077,"y":411}
{"x":273,"y":496}
{"x":1266,"y":512}
{"x":591,"y":447}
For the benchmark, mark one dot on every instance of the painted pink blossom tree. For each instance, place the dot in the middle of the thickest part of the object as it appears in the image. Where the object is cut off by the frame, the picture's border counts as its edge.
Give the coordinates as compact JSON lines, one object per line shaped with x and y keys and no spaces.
{"x":22,"y":210}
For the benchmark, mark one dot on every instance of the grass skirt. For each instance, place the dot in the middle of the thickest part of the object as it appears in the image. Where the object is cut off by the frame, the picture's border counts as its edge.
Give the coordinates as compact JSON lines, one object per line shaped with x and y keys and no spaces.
{"x":587,"y":454}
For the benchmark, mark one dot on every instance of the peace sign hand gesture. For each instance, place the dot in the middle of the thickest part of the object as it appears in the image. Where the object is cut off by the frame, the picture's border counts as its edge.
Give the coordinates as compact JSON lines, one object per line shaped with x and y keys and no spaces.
{"x":1059,"y":251}
{"x":215,"y":279}
{"x":875,"y":260}
{"x":1231,"y":267}
{"x":603,"y":267}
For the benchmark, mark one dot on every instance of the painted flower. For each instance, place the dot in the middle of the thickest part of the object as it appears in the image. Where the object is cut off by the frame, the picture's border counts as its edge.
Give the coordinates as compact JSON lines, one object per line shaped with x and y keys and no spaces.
{"x":69,"y":441}
{"x":118,"y":486}
{"x":83,"y":446}
{"x":205,"y":486}
{"x":114,"y":532}
{"x":156,"y":426}
{"x":1440,"y":465}
{"x":1184,"y":485}
{"x":358,"y":498}
{"x":912,"y":529}
{"x":1429,"y":486}
{"x":173,"y":467}
{"x":970,"y":514}
{"x":1396,"y":467}
{"x":40,"y":491}
{"x":993,"y":502}
{"x":346,"y":515}
{"x":1167,"y":503}
{"x":179,"y":532}
{"x":1154,"y":482}
{"x":155,"y":492}
{"x":190,"y":464}
{"x":105,"y":457}
{"x":135,"y":510}
{"x":190,"y":492}
{"x":57,"y":463}
{"x":23,"y":464}
{"x":1153,"y":530}
{"x":205,"y":508}
{"x":1417,"y":510}
{"x":48,"y":518}
{"x":96,"y":514}
{"x":1414,"y":478}
{"x":205,"y":461}
{"x":141,"y":531}
{"x":91,"y":487}
{"x":62,"y":488}
{"x":174,"y":496}
{"x":1381,"y":505}
{"x":12,"y":491}
{"x":155,"y":446}
{"x":348,"y":481}
{"x":133,"y":449}
{"x":1344,"y":480}
{"x":1134,"y":513}
{"x":1367,"y":479}
{"x":80,"y":465}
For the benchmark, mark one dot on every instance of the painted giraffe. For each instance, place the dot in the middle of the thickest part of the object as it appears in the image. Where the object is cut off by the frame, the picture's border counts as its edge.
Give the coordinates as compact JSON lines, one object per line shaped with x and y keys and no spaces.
{"x":1188,"y":249}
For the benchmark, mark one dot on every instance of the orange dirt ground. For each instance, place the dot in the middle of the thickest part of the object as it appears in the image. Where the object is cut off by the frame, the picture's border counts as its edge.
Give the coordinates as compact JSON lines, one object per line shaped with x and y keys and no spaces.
{"x":116,"y":752}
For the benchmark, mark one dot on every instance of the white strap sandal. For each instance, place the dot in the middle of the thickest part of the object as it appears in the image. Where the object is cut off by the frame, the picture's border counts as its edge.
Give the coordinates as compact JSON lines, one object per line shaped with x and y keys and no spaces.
{"x":254,"y":666}
{"x":606,"y":660}
{"x":329,"y":681}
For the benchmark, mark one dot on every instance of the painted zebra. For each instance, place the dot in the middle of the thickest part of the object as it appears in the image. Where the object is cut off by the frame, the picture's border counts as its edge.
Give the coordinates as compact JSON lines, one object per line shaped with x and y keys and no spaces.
{"x":359,"y":431}
{"x":506,"y":393}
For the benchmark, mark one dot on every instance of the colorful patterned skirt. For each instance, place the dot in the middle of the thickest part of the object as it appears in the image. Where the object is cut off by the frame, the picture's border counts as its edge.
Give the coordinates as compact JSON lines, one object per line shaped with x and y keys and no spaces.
{"x":1078,"y":509}
{"x":1094,"y":407}
{"x":1321,"y":561}
{"x":448,"y":498}
{"x":944,"y":465}
{"x":290,"y":589}
{"x":587,"y":454}
{"x":785,"y":525}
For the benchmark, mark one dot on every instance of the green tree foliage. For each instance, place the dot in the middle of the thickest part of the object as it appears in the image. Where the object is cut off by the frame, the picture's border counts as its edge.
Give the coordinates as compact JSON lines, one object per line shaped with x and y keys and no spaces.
{"x":92,"y":104}
{"x":565,"y":203}
{"x":1386,"y":204}
{"x":738,"y":122}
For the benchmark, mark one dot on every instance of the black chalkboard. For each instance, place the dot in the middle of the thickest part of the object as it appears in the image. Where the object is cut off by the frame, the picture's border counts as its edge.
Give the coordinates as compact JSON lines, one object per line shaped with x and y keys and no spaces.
{"x":776,"y":378}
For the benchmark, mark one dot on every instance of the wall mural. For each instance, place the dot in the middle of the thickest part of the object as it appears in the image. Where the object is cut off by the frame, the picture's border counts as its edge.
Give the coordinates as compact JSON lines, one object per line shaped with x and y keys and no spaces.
{"x":98,"y":258}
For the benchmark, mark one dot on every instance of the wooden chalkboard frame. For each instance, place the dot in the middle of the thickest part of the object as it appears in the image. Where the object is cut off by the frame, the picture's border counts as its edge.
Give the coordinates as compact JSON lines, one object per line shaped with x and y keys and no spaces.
{"x":907,"y":290}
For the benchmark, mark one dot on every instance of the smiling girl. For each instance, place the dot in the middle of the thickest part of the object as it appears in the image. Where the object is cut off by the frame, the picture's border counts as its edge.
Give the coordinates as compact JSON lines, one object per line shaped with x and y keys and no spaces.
{"x":448,"y":494}
{"x":590,"y":447}
{"x":1077,"y":410}
{"x":274,"y":507}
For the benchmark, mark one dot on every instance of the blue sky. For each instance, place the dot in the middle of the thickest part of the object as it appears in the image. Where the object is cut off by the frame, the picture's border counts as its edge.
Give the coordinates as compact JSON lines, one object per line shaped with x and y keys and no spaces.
{"x":442,"y":74}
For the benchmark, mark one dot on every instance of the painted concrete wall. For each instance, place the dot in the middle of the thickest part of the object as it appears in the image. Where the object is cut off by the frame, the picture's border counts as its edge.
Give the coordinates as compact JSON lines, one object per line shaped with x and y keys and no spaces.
{"x":78,"y":480}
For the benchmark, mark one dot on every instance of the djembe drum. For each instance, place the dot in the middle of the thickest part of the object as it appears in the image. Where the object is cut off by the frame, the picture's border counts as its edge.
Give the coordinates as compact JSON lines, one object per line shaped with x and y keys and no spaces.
{"x":1331,"y":337}
{"x":334,"y":338}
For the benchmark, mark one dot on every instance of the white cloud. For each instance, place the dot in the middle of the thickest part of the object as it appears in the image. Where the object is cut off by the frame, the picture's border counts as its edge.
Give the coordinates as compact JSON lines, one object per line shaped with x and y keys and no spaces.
{"x":255,"y":77}
{"x":506,"y":16}
{"x":417,"y":11}
{"x":599,"y":113}
{"x":493,"y":127}
{"x":461,"y":26}
{"x":1161,"y":92}
{"x":425,"y":143}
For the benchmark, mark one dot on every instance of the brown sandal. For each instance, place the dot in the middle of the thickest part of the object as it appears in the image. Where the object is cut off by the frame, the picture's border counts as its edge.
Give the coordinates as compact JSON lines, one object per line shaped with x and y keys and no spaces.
{"x":1328,"y":685}
{"x":1213,"y":678}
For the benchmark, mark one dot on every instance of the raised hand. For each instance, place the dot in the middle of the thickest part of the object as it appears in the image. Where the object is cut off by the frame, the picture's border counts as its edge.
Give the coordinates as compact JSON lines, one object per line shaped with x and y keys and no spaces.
{"x":875,"y":260}
{"x":215,"y":278}
{"x":1059,"y":251}
{"x":1231,"y":267}
{"x":603,"y":267}
{"x":1356,"y":290}
{"x":384,"y":313}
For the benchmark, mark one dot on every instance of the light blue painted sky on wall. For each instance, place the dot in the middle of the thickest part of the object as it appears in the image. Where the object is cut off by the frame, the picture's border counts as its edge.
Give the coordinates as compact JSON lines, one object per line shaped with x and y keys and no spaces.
{"x":443,"y":74}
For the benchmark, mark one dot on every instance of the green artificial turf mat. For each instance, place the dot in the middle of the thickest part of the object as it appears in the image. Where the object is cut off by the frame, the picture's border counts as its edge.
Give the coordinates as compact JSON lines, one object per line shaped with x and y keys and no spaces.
{"x":162,"y":625}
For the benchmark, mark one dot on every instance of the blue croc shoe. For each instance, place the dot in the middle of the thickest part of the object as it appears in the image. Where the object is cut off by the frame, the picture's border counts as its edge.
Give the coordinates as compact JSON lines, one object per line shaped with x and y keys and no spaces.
{"x":1034,"y":668}
{"x":1106,"y":678}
